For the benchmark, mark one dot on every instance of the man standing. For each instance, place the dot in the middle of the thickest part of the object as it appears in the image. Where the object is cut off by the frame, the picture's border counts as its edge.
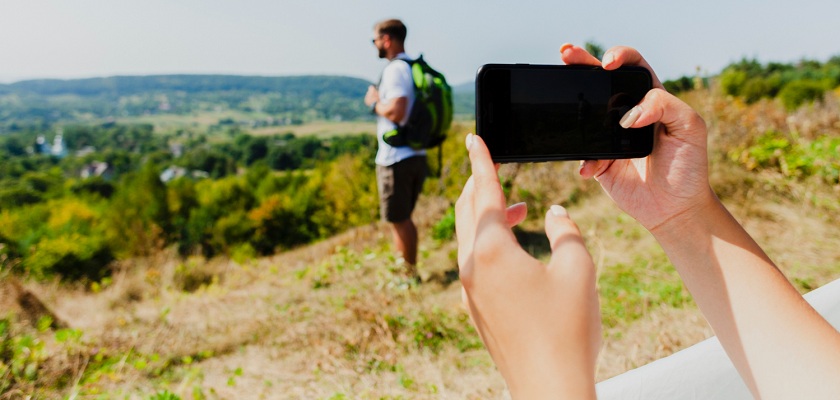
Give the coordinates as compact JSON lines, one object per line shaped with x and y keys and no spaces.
{"x":400,"y":171}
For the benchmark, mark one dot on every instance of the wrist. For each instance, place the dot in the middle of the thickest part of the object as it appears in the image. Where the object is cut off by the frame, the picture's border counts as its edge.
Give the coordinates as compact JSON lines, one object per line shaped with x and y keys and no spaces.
{"x":692,"y":216}
{"x":568,"y":382}
{"x":551,"y":375}
{"x":688,"y":238}
{"x":373,"y":108}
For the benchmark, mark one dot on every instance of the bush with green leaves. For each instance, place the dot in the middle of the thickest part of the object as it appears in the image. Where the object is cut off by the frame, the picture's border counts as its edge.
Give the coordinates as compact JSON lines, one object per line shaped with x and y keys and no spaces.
{"x":679,"y":85}
{"x":138,"y":218}
{"x":796,"y":93}
{"x":63,"y":237}
{"x":794,"y":84}
{"x":793,"y":157}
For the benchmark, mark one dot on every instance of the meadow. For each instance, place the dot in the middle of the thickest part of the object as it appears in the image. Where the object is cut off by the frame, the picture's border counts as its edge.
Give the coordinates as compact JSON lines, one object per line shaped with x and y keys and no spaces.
{"x":335,"y":319}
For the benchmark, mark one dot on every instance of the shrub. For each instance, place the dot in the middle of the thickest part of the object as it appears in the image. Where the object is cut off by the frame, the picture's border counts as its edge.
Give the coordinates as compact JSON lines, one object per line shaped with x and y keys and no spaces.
{"x":796,"y":93}
{"x":347,"y":192}
{"x":794,"y":84}
{"x":73,"y":257}
{"x":63,"y":237}
{"x":682,"y":84}
{"x":792,"y":158}
{"x":12,"y":197}
{"x":96,"y":186}
{"x":732,"y":81}
{"x":755,"y":89}
{"x":138,"y":217}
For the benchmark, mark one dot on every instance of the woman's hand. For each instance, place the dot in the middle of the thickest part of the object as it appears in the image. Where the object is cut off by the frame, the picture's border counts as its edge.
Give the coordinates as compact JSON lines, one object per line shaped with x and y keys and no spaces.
{"x":674,"y":179}
{"x":781,"y":347}
{"x":541,"y":323}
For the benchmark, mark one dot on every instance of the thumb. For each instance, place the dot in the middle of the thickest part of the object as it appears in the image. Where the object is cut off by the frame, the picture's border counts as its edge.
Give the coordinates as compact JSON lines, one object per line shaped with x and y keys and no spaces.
{"x":567,"y":246}
{"x":516,"y":214}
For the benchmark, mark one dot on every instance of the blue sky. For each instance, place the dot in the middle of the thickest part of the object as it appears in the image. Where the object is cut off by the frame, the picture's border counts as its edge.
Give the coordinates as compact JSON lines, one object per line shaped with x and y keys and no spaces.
{"x":87,"y":38}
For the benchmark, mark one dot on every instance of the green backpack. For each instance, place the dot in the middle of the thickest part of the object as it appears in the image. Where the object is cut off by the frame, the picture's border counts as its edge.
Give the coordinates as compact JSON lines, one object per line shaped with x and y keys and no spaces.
{"x":431,"y":115}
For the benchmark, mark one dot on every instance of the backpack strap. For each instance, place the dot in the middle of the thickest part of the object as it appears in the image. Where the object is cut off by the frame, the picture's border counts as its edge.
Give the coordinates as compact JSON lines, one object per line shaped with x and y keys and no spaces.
{"x":440,"y":161}
{"x":396,"y":131}
{"x":409,"y":61}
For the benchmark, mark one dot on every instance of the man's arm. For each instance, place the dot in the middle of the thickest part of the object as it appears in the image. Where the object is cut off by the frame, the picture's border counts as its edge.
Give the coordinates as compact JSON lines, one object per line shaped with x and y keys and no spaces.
{"x":393,"y":110}
{"x":398,"y":86}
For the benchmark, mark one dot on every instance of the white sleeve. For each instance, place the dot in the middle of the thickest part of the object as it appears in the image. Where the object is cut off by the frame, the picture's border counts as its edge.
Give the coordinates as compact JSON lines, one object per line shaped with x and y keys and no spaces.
{"x":396,"y":81}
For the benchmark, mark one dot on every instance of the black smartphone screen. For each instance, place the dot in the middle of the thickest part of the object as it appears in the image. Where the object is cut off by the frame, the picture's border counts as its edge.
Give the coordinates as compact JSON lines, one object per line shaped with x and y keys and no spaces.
{"x":560,"y":112}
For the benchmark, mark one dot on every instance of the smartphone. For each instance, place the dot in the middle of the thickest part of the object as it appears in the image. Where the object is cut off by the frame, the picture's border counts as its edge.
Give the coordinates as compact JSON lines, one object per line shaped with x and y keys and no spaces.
{"x":531,"y":113}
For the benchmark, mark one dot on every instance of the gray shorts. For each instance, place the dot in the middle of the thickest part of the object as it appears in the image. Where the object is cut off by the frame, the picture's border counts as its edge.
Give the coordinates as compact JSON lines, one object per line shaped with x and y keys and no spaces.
{"x":399,"y":187}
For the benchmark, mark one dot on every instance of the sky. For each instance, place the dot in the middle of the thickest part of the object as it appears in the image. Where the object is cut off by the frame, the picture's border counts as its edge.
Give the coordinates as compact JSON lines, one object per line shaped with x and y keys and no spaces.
{"x":95,"y":38}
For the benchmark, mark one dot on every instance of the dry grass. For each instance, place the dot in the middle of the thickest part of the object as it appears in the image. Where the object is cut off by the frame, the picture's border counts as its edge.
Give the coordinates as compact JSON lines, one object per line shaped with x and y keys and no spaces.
{"x":336,"y":320}
{"x":321,"y":129}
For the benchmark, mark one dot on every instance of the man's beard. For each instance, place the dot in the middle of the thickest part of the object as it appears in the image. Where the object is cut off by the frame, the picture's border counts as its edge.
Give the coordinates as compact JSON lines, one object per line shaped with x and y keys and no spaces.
{"x":381,"y":52}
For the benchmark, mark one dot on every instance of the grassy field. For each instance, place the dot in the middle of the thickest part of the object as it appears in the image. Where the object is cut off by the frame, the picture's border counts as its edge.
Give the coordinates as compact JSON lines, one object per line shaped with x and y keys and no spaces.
{"x":336,"y":320}
{"x":204,"y":120}
{"x":320,"y":129}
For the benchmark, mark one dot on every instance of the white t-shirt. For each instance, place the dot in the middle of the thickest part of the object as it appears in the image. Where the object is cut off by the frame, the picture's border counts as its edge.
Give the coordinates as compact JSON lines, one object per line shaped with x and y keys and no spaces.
{"x":396,"y":82}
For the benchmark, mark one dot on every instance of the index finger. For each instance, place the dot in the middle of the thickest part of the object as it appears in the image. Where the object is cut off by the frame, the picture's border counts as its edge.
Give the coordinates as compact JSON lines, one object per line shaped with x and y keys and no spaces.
{"x":623,"y":55}
{"x":574,"y":55}
{"x":465,"y":222}
{"x":488,"y":189}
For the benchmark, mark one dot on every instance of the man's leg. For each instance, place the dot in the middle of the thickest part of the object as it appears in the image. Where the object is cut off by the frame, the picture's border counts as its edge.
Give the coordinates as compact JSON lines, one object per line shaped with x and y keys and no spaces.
{"x":399,"y":187}
{"x":405,"y":239}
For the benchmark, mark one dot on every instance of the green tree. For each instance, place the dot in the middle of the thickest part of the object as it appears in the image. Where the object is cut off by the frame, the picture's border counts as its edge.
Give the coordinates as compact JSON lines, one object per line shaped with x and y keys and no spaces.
{"x":209,"y":228}
{"x":796,"y":93}
{"x":595,"y":49}
{"x":138,"y":217}
{"x":256,"y":149}
{"x":13,"y":146}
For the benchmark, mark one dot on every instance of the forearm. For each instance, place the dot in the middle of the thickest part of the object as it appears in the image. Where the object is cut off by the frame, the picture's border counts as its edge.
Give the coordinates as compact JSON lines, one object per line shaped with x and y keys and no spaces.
{"x":772,"y":335}
{"x":393,"y":110}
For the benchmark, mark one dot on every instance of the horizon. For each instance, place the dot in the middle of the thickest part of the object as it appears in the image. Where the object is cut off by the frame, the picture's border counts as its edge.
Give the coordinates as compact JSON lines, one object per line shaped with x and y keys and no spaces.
{"x":99,"y":39}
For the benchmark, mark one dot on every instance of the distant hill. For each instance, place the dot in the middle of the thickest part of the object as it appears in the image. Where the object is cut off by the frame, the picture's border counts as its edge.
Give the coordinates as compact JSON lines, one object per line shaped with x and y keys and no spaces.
{"x":132,"y":85}
{"x":466,"y":87}
{"x":463,"y":95}
{"x":292,"y":99}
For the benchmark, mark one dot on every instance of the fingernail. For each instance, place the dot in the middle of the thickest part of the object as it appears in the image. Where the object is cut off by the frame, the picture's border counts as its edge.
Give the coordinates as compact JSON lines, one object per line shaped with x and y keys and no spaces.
{"x":470,"y":140}
{"x":565,"y":47}
{"x":631,"y":117}
{"x":558,"y":211}
{"x":608,"y":59}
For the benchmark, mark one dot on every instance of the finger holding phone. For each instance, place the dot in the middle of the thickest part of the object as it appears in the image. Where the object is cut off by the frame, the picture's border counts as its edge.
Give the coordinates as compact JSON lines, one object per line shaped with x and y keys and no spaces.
{"x":673,"y":179}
